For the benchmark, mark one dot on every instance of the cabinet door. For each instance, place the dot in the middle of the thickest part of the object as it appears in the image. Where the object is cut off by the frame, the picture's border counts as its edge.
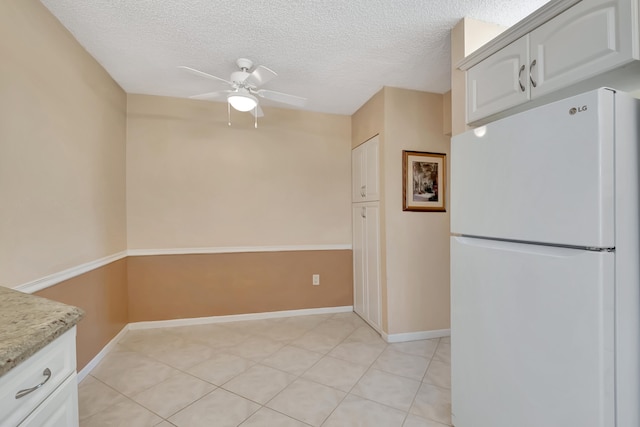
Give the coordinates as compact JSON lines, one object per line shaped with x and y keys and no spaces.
{"x":592,"y":37}
{"x":499,"y":82}
{"x":365,"y":180}
{"x":358,"y":212}
{"x":58,"y":410}
{"x":372,"y":236}
{"x":358,"y":177}
{"x":372,"y":178}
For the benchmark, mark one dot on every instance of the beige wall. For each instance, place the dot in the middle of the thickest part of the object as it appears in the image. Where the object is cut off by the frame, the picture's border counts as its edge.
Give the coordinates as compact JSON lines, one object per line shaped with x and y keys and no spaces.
{"x":62,"y":149}
{"x":194,"y":181}
{"x":466,"y":37}
{"x":446,"y":113}
{"x":417,"y":243}
{"x":62,"y":170}
{"x":368,"y":121}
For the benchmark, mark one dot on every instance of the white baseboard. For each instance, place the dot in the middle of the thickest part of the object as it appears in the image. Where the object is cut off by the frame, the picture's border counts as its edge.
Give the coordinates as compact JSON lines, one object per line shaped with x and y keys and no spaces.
{"x":416,"y":336}
{"x":237,"y":317}
{"x":98,"y":358}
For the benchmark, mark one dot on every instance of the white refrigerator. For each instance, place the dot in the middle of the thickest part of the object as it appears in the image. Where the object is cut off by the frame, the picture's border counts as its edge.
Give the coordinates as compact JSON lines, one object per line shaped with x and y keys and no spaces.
{"x":545,"y":267}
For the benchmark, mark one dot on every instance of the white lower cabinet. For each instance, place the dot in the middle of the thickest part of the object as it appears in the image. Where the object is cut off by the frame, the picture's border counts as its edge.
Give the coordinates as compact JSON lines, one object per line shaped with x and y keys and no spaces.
{"x":43,"y":390}
{"x":60,"y":410}
{"x":366,"y":262}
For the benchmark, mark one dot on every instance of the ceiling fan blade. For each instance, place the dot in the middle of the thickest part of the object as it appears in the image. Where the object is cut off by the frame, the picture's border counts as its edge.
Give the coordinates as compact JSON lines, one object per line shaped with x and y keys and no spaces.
{"x":203,"y":74}
{"x":212,"y":95}
{"x":260,"y":76}
{"x":257,"y":112}
{"x":285,"y":98}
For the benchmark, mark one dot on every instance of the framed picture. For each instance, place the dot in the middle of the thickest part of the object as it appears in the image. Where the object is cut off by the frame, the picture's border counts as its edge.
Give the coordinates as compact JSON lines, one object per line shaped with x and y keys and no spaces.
{"x":423,"y":184}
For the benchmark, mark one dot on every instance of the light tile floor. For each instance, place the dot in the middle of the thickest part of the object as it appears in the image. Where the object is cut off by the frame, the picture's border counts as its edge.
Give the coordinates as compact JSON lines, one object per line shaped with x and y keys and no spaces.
{"x":320,"y":370}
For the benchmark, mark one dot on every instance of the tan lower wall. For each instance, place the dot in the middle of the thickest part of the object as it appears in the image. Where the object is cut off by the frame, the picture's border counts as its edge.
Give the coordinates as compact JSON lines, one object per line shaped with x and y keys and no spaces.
{"x":165,"y":287}
{"x":102,"y":294}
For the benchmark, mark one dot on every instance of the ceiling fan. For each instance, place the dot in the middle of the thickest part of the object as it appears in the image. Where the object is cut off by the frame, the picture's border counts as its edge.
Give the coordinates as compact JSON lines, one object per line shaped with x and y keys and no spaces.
{"x":244,"y":92}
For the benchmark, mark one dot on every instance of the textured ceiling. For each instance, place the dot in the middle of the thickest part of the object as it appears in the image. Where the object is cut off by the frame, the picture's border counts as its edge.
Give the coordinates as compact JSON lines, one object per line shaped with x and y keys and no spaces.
{"x":336,"y":53}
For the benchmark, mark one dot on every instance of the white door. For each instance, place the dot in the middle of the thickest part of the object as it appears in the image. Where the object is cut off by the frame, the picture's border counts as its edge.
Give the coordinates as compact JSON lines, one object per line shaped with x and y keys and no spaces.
{"x":372,"y":233}
{"x":545,"y":175}
{"x":366,"y":262}
{"x":499,"y":82}
{"x":372,"y":175}
{"x":593,"y":37}
{"x":532,"y":335}
{"x":359,"y":248}
{"x":358,"y":174}
{"x":365,"y":179}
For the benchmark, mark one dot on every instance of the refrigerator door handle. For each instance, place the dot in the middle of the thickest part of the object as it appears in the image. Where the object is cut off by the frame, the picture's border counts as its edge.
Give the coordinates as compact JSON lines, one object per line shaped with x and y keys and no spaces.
{"x":528,"y":248}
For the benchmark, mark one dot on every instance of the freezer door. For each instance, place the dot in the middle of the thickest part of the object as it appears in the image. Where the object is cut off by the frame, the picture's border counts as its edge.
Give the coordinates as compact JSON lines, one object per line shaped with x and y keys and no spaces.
{"x":545,"y":175}
{"x":532,"y":335}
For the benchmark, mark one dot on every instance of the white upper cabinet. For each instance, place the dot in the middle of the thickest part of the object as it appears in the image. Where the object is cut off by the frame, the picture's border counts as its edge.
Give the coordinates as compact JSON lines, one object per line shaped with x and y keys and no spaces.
{"x":499,"y":82}
{"x":583,"y":48}
{"x":365,"y":171}
{"x":590,"y":38}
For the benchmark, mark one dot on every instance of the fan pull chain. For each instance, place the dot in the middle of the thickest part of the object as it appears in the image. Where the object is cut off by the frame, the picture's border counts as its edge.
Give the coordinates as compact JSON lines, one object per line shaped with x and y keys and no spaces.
{"x":255,"y":116}
{"x":229,"y":113}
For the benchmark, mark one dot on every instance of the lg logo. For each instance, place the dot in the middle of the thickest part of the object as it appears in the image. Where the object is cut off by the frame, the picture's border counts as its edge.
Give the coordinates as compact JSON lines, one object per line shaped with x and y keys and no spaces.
{"x":575,"y":110}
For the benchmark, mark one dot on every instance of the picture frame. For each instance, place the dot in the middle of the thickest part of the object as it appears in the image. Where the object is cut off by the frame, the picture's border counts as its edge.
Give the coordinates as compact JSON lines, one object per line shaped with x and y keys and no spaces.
{"x":424,"y":181}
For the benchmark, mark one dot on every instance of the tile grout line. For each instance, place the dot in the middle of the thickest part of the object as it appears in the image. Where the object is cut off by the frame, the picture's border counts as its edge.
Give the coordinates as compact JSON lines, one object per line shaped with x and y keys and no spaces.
{"x":413,"y":401}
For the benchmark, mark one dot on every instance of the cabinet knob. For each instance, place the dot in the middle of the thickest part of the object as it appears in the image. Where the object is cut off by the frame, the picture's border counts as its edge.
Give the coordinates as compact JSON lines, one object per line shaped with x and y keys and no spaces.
{"x":363,"y":191}
{"x":363,"y":212}
{"x":522,"y":88}
{"x":533,"y":82}
{"x":23,"y":393}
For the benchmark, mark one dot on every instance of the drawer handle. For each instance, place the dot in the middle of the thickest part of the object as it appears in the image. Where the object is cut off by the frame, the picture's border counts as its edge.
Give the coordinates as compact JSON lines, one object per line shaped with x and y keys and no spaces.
{"x":533,"y":82}
{"x":522,"y":88}
{"x":23,"y":393}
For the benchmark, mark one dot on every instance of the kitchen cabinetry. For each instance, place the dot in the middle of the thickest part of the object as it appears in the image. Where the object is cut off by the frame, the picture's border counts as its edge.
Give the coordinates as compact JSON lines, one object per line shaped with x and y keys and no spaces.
{"x":366,"y":231}
{"x":495,"y":84}
{"x":366,"y":262}
{"x":587,"y":40}
{"x":42,"y":390}
{"x":365,"y":171}
{"x":59,"y":410}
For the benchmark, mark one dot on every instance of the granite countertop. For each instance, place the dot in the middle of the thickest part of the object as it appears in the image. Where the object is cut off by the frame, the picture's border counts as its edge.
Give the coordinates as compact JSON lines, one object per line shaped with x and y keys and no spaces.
{"x":28,"y":323}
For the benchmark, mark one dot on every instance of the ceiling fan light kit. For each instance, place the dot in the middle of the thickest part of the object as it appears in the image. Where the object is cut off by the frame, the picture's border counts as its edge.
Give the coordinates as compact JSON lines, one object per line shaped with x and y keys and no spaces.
{"x":244,"y":92}
{"x":242,"y":102}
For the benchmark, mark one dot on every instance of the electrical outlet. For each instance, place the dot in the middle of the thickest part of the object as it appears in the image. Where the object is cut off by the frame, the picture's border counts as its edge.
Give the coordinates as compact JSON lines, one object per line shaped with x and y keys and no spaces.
{"x":316,"y":279}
